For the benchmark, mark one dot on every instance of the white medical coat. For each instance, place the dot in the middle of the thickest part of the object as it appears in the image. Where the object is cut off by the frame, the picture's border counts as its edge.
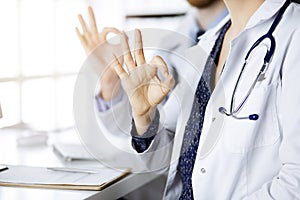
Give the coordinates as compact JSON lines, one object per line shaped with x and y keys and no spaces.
{"x":243,"y":159}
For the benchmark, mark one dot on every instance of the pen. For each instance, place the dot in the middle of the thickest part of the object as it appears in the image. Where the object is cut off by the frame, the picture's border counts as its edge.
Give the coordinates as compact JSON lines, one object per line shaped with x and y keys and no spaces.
{"x":73,"y":170}
{"x":3,"y":168}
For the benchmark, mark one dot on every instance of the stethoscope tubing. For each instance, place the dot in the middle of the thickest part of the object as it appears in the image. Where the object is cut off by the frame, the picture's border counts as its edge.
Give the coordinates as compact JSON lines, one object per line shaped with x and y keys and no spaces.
{"x":270,"y":52}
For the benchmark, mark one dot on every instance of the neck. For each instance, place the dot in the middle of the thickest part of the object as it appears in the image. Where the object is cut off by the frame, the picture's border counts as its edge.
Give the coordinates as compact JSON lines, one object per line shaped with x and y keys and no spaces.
{"x":206,"y":16}
{"x":240,"y":13}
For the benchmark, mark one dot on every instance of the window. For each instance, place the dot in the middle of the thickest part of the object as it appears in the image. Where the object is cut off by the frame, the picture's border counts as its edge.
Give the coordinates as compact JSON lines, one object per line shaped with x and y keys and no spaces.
{"x":40,"y":54}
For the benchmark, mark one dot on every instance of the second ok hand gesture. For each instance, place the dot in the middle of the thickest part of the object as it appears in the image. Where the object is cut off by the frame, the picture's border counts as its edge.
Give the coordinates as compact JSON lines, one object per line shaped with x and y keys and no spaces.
{"x":90,"y":37}
{"x":101,"y":52}
{"x":141,"y":83}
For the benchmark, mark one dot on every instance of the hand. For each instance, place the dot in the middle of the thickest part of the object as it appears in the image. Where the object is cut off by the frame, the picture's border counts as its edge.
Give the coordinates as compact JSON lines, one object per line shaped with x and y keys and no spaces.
{"x":141,"y":83}
{"x":91,"y":40}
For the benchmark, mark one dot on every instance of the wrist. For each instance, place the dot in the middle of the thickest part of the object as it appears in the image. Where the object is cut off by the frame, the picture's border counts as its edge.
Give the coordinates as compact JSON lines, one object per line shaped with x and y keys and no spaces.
{"x":142,"y":122}
{"x":109,"y":91}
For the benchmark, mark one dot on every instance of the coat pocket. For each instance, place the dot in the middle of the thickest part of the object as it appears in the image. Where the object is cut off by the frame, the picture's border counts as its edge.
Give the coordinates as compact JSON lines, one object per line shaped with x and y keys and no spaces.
{"x":243,"y":135}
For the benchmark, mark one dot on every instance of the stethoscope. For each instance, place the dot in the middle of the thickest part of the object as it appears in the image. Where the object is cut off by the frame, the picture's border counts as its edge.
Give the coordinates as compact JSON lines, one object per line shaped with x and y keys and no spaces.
{"x":269,"y":35}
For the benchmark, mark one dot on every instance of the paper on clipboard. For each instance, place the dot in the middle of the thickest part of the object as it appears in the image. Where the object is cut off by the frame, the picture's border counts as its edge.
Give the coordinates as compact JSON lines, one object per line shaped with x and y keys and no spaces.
{"x":40,"y":177}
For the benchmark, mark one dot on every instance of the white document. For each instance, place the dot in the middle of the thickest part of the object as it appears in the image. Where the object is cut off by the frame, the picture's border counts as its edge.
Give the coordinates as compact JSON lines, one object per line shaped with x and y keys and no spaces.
{"x":46,"y":177}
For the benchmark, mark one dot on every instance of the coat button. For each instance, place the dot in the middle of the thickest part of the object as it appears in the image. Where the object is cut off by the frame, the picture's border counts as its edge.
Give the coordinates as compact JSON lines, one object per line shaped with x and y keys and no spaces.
{"x":203,"y":170}
{"x":213,"y":119}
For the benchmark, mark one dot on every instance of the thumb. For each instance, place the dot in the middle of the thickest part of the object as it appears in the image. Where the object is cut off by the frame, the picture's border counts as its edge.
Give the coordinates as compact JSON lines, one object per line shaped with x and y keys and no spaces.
{"x":169,"y":81}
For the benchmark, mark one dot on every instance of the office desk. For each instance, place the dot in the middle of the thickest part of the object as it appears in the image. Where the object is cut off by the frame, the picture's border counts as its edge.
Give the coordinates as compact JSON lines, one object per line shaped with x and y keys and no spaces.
{"x":43,"y":156}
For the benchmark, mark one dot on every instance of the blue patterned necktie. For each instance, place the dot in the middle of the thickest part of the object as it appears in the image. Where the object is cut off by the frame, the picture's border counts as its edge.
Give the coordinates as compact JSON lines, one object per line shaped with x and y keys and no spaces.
{"x":194,"y":125}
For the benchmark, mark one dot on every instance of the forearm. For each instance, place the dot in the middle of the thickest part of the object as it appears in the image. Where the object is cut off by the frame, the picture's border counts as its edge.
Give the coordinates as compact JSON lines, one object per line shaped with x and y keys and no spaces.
{"x":142,"y":122}
{"x":155,"y":145}
{"x":110,"y":89}
{"x":106,"y":105}
{"x":116,"y":118}
{"x":156,"y":136}
{"x":141,"y":142}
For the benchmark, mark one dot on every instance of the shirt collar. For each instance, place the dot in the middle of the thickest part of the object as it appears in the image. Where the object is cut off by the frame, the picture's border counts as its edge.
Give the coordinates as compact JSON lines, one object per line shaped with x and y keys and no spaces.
{"x":213,"y":33}
{"x":218,"y":19}
{"x":214,"y":23}
{"x":189,"y":27}
{"x":267,"y":10}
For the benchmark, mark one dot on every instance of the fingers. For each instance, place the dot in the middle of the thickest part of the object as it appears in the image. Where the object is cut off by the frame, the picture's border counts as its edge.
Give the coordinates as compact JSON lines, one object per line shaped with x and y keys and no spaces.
{"x":107,"y":30}
{"x":169,"y":81}
{"x":80,"y":36}
{"x":82,"y":23}
{"x":93,"y":21}
{"x":118,"y":68}
{"x":138,"y":52}
{"x":126,"y":52}
{"x":161,"y":65}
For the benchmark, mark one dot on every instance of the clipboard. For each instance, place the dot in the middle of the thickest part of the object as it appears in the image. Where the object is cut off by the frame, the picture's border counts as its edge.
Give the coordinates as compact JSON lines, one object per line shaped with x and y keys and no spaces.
{"x":41,"y":177}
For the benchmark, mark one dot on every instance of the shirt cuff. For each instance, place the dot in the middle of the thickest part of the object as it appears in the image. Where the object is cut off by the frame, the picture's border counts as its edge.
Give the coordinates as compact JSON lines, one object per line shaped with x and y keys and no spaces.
{"x":104,"y":105}
{"x":142,"y":142}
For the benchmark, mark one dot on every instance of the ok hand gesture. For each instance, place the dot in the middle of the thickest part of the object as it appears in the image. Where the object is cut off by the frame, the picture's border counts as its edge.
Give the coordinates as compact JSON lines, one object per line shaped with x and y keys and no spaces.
{"x":101,"y":52}
{"x":141,"y":83}
{"x":90,"y":38}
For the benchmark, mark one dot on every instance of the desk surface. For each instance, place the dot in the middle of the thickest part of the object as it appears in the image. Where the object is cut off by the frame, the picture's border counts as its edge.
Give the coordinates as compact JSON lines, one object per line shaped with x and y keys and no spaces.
{"x":43,"y":156}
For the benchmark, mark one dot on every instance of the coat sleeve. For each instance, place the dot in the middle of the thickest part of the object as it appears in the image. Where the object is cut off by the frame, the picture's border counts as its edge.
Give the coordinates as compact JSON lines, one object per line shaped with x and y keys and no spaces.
{"x":286,"y":185}
{"x":118,"y":123}
{"x":117,"y":119}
